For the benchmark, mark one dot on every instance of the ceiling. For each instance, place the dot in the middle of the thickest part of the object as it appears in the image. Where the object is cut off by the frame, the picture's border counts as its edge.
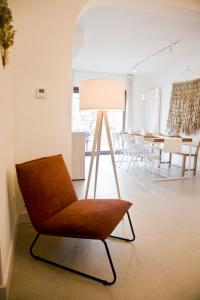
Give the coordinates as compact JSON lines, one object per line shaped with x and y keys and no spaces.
{"x":117,"y":38}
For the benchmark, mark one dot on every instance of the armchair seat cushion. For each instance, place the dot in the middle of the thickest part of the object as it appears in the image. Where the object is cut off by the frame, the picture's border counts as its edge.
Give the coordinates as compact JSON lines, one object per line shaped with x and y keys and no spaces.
{"x":92,"y":219}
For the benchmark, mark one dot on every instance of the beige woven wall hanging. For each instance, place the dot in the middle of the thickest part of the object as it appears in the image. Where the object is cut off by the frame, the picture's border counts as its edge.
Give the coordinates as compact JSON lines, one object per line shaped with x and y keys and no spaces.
{"x":184,"y":112}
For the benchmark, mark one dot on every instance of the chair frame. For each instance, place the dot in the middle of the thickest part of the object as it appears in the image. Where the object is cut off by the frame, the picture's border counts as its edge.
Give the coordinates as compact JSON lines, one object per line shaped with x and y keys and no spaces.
{"x":103,"y":281}
{"x":184,"y":157}
{"x":195,"y":157}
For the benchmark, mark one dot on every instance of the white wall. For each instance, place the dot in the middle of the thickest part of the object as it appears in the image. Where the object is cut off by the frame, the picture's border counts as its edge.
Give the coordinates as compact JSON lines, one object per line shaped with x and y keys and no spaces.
{"x":42,"y":59}
{"x":7,"y":173}
{"x":143,"y":84}
{"x":84,"y":75}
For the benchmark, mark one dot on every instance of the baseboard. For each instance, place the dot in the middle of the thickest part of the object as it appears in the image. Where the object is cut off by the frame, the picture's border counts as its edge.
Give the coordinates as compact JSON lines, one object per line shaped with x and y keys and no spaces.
{"x":5,"y":287}
{"x":23,"y":218}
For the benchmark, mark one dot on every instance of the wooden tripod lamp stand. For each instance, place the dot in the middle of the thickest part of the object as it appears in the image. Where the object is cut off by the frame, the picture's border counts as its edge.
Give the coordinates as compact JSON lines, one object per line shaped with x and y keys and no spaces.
{"x":101,"y":95}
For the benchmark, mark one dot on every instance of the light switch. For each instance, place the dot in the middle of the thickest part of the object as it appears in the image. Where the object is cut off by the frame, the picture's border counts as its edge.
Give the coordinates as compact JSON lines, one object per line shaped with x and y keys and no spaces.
{"x":40,"y":93}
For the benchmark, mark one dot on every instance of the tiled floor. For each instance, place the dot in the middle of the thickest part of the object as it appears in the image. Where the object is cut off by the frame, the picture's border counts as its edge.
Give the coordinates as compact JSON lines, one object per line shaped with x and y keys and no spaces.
{"x":162,"y":264}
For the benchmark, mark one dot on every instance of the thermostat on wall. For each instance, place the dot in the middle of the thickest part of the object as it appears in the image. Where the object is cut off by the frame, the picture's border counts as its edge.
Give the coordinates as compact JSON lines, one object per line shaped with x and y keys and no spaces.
{"x":40,"y":93}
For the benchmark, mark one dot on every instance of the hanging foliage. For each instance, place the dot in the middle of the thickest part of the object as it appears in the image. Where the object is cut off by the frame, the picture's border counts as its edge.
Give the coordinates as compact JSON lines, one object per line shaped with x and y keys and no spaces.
{"x":7,"y":32}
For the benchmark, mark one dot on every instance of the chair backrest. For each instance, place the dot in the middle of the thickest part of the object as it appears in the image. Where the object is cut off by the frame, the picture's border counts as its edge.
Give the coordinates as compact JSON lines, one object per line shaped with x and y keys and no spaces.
{"x":139,"y":143}
{"x":139,"y":139}
{"x":131,"y":140}
{"x":197,"y":149}
{"x":125,"y":140}
{"x":172,"y":144}
{"x":46,"y":187}
{"x":116,"y":140}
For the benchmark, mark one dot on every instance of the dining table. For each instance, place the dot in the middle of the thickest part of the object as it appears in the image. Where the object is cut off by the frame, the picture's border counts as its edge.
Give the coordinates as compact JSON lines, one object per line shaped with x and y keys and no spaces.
{"x":159,"y":139}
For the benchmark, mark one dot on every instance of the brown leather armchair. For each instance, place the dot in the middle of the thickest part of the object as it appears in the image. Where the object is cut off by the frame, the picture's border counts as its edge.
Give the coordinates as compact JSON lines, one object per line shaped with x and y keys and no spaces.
{"x":54,"y":208}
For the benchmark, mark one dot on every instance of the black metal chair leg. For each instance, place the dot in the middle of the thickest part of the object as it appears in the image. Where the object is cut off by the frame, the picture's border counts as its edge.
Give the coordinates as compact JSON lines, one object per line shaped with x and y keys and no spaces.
{"x":105,"y":282}
{"x":32,"y":245}
{"x":126,"y":239}
{"x":111,"y":265}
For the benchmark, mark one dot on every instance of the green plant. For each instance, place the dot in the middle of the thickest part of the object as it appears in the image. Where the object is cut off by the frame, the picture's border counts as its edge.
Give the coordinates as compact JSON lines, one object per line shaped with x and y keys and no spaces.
{"x":7,"y":32}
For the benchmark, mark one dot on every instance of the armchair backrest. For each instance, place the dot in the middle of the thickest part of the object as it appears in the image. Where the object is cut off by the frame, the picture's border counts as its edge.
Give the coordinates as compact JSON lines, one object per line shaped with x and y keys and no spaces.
{"x":46,"y":187}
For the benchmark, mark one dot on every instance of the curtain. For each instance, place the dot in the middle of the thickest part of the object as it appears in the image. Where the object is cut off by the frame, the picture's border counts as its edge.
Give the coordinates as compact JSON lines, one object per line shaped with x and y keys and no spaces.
{"x":184,"y":111}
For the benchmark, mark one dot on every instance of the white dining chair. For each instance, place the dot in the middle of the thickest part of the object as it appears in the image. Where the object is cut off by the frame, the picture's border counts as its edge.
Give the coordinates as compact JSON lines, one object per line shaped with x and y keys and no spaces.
{"x":143,"y":152}
{"x":117,"y":145}
{"x":172,"y":144}
{"x":127,"y":147}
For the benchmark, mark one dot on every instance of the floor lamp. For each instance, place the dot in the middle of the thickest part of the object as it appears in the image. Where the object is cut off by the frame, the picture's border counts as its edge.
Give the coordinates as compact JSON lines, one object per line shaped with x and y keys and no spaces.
{"x":101,"y":95}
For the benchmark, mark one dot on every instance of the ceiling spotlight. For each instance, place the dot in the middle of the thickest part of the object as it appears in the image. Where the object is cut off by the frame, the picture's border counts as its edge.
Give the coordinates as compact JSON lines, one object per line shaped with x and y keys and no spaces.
{"x":143,"y":97}
{"x":157,"y":92}
{"x":134,"y":71}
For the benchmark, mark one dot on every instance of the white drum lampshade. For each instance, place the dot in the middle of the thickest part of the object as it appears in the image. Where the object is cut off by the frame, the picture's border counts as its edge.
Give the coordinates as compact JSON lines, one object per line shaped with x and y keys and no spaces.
{"x":102,"y":94}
